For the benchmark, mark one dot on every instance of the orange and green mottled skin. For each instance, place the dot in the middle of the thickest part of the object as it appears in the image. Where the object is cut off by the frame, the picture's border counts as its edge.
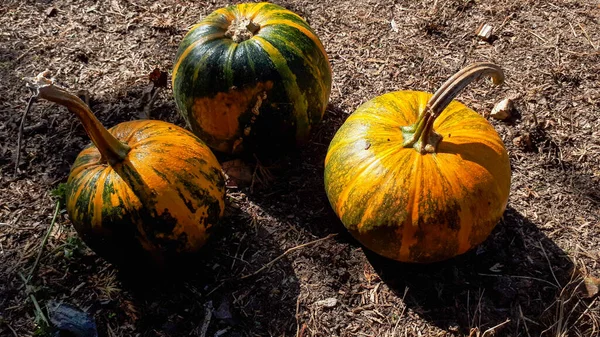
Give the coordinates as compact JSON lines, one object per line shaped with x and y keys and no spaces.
{"x":217,"y":82}
{"x":415,"y":207}
{"x":161,"y":201}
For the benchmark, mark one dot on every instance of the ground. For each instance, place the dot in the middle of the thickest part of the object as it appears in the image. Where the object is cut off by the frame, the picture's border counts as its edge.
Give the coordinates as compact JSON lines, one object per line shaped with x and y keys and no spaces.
{"x":529,"y":272}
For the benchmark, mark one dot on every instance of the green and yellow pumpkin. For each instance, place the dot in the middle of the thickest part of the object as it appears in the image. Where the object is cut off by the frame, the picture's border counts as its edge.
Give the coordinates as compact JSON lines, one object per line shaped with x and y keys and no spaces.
{"x":418,"y":177}
{"x":145,"y":191}
{"x":252,"y":77}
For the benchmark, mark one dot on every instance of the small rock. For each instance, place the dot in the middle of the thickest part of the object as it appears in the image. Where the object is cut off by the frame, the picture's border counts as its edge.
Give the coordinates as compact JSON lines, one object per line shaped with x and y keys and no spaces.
{"x":485,"y":31}
{"x":223,"y":312}
{"x":50,"y":11}
{"x":394,"y":26}
{"x":503,"y":109}
{"x":71,"y":321}
{"x":327,"y":303}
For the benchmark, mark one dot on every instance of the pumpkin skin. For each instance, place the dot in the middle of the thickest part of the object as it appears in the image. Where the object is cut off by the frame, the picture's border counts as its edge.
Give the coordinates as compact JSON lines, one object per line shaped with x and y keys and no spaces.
{"x":144,"y":193}
{"x":261,"y":94}
{"x":161,"y":202}
{"x":409,"y":206}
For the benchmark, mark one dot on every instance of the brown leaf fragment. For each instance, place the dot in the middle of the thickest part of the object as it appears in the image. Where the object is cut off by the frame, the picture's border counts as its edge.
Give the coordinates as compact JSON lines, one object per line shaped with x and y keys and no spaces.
{"x":523,"y":141}
{"x":590,"y":286}
{"x":239,"y":174}
{"x":158,"y":78}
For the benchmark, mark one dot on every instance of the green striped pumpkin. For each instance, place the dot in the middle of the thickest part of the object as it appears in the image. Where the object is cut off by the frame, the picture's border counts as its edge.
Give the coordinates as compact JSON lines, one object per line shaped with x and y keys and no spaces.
{"x":157,"y":204}
{"x":251,"y":77}
{"x":145,"y":192}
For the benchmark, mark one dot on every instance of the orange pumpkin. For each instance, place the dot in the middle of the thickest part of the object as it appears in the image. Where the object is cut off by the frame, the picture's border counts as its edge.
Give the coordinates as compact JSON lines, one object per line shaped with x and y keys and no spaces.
{"x":417,"y":177}
{"x":144,"y":191}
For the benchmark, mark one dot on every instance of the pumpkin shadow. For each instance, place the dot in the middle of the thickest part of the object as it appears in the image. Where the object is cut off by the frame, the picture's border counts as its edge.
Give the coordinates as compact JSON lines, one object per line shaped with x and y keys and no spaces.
{"x":214,"y":288}
{"x":296,"y":193}
{"x":517,"y":274}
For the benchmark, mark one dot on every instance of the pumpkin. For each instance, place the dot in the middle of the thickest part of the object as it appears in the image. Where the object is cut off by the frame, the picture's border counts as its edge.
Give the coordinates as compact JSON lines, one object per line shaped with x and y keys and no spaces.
{"x":417,"y":177}
{"x":145,"y":191}
{"x":251,"y":78}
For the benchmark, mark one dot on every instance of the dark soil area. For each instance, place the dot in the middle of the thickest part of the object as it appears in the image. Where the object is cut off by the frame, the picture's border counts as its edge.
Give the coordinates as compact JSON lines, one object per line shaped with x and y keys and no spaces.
{"x":527,"y":279}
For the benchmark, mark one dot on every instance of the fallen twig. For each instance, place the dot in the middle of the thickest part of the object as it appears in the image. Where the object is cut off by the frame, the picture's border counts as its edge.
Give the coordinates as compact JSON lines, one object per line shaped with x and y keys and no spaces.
{"x":32,"y":99}
{"x":549,"y":264}
{"x":207,"y":317}
{"x":285,"y":253}
{"x":523,"y":277}
{"x":260,"y":175}
{"x":491,"y":331}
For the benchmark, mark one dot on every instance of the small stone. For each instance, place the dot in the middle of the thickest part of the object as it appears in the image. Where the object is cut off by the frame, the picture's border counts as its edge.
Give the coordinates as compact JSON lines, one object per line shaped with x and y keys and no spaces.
{"x":223,"y":312}
{"x":485,"y":31}
{"x":327,"y":303}
{"x":50,"y":11}
{"x":394,"y":26}
{"x":503,"y":109}
{"x":70,"y":320}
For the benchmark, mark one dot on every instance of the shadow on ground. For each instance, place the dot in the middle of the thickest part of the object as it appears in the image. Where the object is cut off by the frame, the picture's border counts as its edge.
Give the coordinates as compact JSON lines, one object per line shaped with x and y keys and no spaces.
{"x":517,"y":274}
{"x":297,"y":192}
{"x":211,"y":296}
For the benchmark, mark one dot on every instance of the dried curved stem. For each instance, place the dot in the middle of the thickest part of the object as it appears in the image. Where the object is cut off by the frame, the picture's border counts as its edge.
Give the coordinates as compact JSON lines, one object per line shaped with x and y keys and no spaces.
{"x":457,"y":83}
{"x":112,"y":150}
{"x":421,"y":135}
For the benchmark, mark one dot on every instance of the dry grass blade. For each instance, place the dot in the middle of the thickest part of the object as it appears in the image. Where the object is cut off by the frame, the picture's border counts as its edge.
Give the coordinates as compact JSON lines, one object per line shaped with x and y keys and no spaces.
{"x":522,"y":277}
{"x":43,"y":244}
{"x":492,"y":331}
{"x":267,"y":265}
{"x":26,"y":280}
{"x":261,"y":175}
{"x":38,"y":309}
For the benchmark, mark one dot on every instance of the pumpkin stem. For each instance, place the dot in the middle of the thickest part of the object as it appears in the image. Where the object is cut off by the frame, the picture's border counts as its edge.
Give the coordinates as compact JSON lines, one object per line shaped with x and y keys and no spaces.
{"x":112,"y":150}
{"x":241,"y":29}
{"x":421,"y":135}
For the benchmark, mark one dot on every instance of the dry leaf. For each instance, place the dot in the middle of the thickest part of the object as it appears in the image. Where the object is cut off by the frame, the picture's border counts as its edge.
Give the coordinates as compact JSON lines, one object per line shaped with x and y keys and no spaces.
{"x":591,"y":285}
{"x":159,"y":78}
{"x":238,"y":172}
{"x":523,"y":141}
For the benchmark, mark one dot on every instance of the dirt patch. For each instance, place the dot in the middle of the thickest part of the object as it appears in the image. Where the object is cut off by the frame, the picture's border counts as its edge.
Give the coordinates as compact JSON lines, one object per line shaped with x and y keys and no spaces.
{"x":550,"y":52}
